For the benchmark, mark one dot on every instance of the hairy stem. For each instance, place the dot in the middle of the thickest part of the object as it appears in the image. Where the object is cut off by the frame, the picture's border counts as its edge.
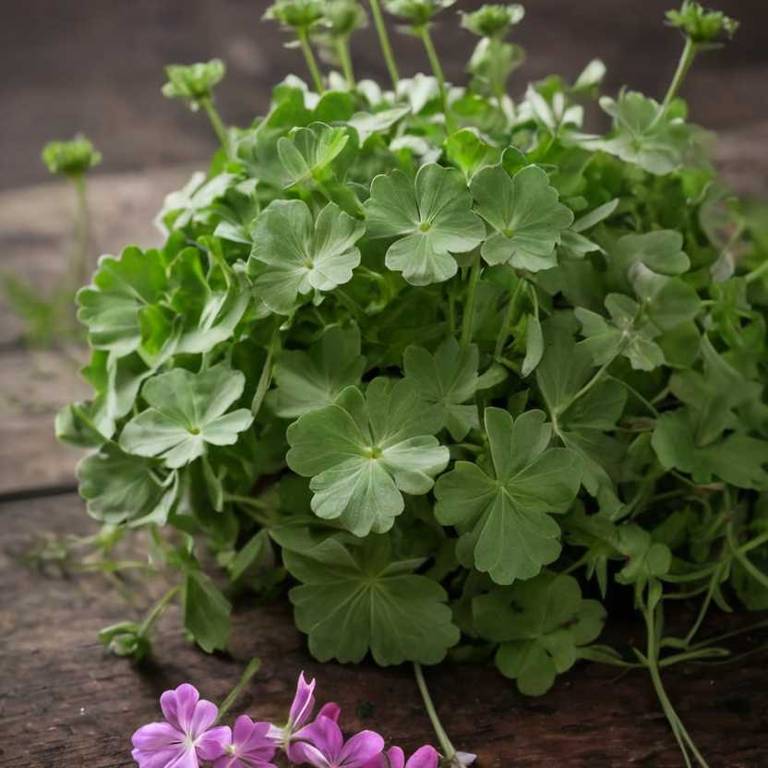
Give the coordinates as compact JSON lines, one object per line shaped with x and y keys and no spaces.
{"x":309,"y":57}
{"x":386,"y":47}
{"x":448,"y":750}
{"x":437,"y":70}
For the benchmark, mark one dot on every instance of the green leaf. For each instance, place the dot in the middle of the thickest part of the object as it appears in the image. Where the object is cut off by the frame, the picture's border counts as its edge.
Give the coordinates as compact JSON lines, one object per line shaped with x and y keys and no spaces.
{"x":447,"y":380}
{"x":645,"y":559}
{"x":364,"y":452}
{"x":121,"y":288}
{"x":669,"y":302}
{"x":644,"y":133}
{"x":738,"y":459}
{"x":504,"y":514}
{"x":624,"y":335}
{"x":369,"y":124}
{"x":206,"y":612}
{"x":356,"y":599}
{"x":470,"y":152}
{"x":187,"y":412}
{"x":431,"y":217}
{"x":540,"y":625}
{"x":307,"y":381}
{"x":293,"y":256}
{"x":661,"y":251}
{"x":308,"y":153}
{"x":118,"y":487}
{"x":524,"y":212}
{"x":582,"y":425}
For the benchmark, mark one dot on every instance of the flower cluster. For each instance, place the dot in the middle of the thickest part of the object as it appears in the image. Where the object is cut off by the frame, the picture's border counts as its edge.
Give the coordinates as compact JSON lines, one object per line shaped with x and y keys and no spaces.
{"x":190,"y":737}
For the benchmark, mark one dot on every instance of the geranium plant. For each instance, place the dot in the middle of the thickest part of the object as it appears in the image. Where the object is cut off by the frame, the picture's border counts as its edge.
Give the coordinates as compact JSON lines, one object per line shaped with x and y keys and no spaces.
{"x":445,"y":367}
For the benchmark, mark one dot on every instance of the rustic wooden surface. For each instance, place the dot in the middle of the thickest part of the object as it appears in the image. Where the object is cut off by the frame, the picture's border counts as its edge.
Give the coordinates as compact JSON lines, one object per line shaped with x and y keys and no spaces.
{"x":64,"y":702}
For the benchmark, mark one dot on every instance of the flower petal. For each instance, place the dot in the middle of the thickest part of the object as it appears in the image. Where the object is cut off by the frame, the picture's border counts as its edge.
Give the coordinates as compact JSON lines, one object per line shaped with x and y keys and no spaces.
{"x":303,"y":703}
{"x":179,"y":705}
{"x":213,"y":743}
{"x":155,"y":736}
{"x":303,"y":752}
{"x":203,"y":717}
{"x":331,"y":711}
{"x":160,"y":758}
{"x":360,"y":749}
{"x":395,"y":758}
{"x":424,"y":757}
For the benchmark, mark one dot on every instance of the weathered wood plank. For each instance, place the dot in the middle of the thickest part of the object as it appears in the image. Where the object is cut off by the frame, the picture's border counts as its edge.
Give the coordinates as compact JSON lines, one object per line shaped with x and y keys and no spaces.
{"x":64,"y":702}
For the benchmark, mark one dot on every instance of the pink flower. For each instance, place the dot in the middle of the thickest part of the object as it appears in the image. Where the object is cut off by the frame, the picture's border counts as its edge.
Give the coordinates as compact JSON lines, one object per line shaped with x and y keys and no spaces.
{"x":186,"y":737}
{"x":424,"y":757}
{"x":322,"y":745}
{"x":251,"y":746}
{"x":300,"y":714}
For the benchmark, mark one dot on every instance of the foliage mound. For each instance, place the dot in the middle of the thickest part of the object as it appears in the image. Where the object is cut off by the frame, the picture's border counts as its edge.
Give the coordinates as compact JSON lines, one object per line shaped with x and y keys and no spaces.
{"x":457,"y":369}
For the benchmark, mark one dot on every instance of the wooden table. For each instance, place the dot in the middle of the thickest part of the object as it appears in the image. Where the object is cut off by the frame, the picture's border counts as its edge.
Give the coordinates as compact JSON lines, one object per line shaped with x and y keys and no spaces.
{"x":65,"y":702}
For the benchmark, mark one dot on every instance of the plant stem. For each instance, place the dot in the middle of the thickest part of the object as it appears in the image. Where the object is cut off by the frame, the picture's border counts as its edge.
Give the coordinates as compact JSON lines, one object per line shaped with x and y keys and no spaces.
{"x":309,"y":57}
{"x":437,"y":70}
{"x":686,"y":59}
{"x":266,"y":373}
{"x":386,"y":47}
{"x":756,"y":273}
{"x":449,"y":751}
{"x":469,"y":306}
{"x":253,"y":667}
{"x":652,"y":662}
{"x":342,"y":51}
{"x":509,"y":315}
{"x":158,"y":609}
{"x":583,"y":391}
{"x":222,"y":134}
{"x":744,"y":561}
{"x":79,"y":266}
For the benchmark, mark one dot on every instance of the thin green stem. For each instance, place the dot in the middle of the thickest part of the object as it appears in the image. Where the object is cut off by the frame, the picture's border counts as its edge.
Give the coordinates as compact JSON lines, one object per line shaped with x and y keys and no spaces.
{"x":686,"y":59}
{"x":587,"y":387}
{"x":79,"y":267}
{"x":506,"y":324}
{"x":309,"y":57}
{"x":469,"y":306}
{"x":342,"y":51}
{"x":652,"y":661}
{"x":253,"y":667}
{"x":266,"y":373}
{"x":449,"y":752}
{"x":756,"y":273}
{"x":744,"y":561}
{"x":437,"y":70}
{"x":222,"y":134}
{"x":158,"y":609}
{"x":386,"y":47}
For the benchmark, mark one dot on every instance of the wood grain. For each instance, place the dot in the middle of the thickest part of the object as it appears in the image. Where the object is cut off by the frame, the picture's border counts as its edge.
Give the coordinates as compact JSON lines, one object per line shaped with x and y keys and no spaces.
{"x":65,"y":703}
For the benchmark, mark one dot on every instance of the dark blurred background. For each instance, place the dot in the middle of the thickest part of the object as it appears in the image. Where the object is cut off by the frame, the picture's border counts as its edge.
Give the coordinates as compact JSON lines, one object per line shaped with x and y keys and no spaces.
{"x":97,"y":66}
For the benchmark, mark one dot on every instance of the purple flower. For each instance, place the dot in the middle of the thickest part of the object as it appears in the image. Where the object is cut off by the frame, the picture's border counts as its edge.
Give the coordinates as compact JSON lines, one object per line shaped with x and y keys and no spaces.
{"x":186,"y":738}
{"x":424,"y":757}
{"x":322,"y":745}
{"x":300,"y":714}
{"x":251,"y":746}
